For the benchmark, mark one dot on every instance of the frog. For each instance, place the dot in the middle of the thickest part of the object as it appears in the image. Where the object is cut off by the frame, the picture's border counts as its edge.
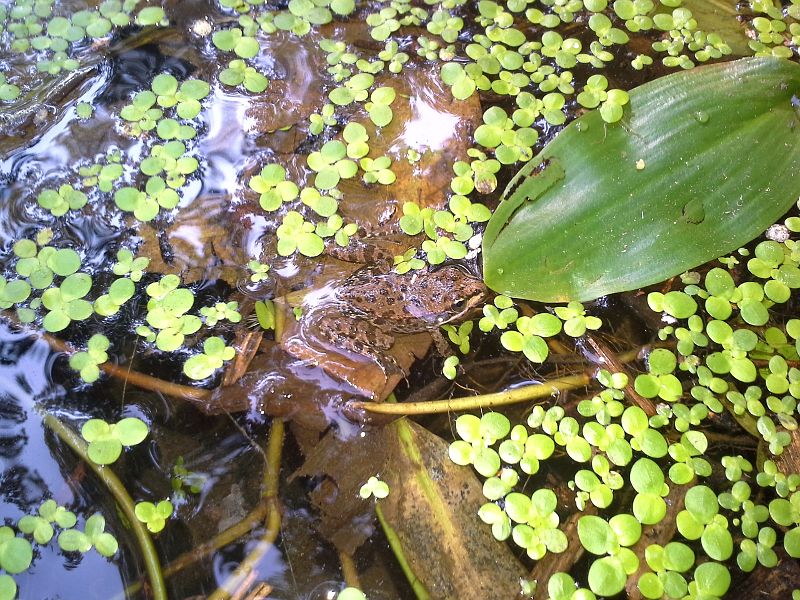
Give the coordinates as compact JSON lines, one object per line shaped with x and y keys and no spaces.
{"x":367,"y":310}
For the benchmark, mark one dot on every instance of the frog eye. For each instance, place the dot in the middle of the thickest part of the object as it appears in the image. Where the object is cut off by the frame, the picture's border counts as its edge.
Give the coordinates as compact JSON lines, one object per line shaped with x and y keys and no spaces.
{"x":459,"y":304}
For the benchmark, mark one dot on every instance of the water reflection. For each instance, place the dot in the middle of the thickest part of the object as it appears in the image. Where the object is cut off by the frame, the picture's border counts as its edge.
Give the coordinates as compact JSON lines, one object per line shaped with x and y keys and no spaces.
{"x":34,"y":469}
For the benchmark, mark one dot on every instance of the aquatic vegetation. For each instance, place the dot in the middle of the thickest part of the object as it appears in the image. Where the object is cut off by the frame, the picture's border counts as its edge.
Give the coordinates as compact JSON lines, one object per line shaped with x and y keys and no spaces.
{"x":154,"y":515}
{"x":40,"y":525}
{"x":550,"y":177}
{"x":185,"y":480}
{"x":107,"y":440}
{"x":58,"y":202}
{"x":374,"y":487}
{"x":88,"y":362}
{"x":595,"y":473}
{"x":232,"y":40}
{"x":272,"y":185}
{"x":215,"y":353}
{"x":239,"y":73}
{"x":8,"y":91}
{"x":92,"y":536}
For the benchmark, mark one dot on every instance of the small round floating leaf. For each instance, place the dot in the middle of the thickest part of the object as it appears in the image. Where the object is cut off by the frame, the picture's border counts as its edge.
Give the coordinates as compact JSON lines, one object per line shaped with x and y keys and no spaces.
{"x":131,"y":431}
{"x":381,"y":115}
{"x":75,"y":286}
{"x":25,"y":248}
{"x":712,"y":578}
{"x":246,"y":47}
{"x":105,"y":451}
{"x":168,"y":129}
{"x":55,"y":321}
{"x":8,"y":587}
{"x":310,"y":244}
{"x":9,"y":92}
{"x":164,"y":84}
{"x":106,"y":544}
{"x":95,"y":429}
{"x":495,"y":425}
{"x":150,"y":15}
{"x":791,"y":542}
{"x":196,"y":89}
{"x":16,"y":555}
{"x":72,"y":540}
{"x":255,"y":82}
{"x":717,"y":541}
{"x":607,"y":576}
{"x":188,"y":109}
{"x":64,"y":262}
{"x":595,"y":534}
{"x":650,"y":586}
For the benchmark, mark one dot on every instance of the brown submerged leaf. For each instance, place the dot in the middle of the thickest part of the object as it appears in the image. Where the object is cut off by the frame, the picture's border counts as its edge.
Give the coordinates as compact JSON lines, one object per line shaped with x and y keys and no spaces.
{"x":431,"y":506}
{"x":427,"y":120}
{"x":346,"y":520}
{"x":295,"y":82}
{"x":198,"y":244}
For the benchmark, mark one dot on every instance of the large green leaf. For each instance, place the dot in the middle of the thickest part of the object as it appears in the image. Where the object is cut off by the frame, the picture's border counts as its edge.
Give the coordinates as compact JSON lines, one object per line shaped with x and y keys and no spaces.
{"x":702,"y":162}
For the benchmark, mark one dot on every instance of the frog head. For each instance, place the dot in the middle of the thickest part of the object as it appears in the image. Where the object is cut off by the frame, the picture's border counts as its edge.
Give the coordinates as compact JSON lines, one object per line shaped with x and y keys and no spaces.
{"x":451,"y":295}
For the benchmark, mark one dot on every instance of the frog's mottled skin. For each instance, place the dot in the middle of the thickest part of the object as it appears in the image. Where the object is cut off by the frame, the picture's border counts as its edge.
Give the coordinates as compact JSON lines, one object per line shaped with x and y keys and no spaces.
{"x":373,"y":305}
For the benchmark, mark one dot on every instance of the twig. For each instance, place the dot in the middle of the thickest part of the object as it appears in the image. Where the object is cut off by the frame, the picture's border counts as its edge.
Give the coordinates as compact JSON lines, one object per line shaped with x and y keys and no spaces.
{"x":526,"y":393}
{"x":607,"y":357}
{"x":123,"y":498}
{"x":252,"y":520}
{"x":243,"y":572}
{"x":146,"y":382}
{"x":523,"y":394}
{"x":349,"y":571}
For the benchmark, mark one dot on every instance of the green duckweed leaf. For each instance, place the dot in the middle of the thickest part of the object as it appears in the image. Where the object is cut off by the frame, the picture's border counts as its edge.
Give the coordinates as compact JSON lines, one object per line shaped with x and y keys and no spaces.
{"x":8,"y":587}
{"x":150,"y":15}
{"x":16,"y":553}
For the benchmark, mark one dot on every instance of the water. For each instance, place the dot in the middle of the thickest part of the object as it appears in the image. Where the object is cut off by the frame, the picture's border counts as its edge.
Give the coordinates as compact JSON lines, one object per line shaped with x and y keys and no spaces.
{"x":225,"y":458}
{"x":220,"y":435}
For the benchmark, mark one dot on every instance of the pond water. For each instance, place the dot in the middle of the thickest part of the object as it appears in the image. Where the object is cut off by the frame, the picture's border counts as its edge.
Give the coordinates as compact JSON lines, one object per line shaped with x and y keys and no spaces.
{"x":230,"y":171}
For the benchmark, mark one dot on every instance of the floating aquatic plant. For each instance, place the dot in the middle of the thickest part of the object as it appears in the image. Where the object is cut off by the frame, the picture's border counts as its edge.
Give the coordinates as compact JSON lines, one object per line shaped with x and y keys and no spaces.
{"x":107,"y":440}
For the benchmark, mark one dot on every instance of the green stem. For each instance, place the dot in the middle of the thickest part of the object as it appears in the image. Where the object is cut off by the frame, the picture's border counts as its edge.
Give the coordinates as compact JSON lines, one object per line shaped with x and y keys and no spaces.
{"x":523,"y":394}
{"x":123,"y":498}
{"x":536,"y":391}
{"x":397,"y":548}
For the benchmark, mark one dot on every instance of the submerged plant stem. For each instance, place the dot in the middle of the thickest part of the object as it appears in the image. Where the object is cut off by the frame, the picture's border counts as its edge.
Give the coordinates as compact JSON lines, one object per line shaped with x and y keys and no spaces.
{"x":254,"y":518}
{"x":349,"y":571}
{"x":536,"y":391}
{"x":246,"y":570}
{"x":397,"y":549}
{"x":524,"y":394}
{"x":123,"y":498}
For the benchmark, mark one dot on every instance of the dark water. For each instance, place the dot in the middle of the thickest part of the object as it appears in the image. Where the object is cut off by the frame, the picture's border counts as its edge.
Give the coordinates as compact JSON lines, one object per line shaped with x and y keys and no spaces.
{"x":222,"y":449}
